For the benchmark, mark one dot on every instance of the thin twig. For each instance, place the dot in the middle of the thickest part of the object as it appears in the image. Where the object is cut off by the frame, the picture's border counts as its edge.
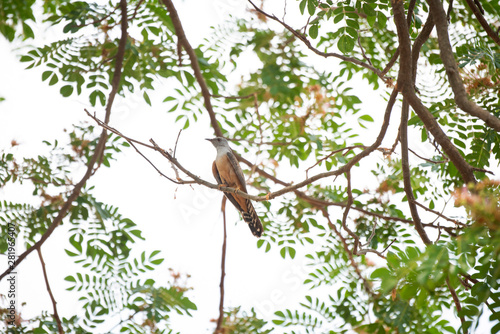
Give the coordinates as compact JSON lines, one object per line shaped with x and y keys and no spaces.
{"x":363,"y":52}
{"x":476,"y":10}
{"x":440,"y":214}
{"x":54,"y":303}
{"x":132,"y":143}
{"x":456,"y":301}
{"x":176,"y":141}
{"x":349,"y":148}
{"x":233,"y":97}
{"x":332,"y":226}
{"x":358,"y":248}
{"x":136,"y":10}
{"x":429,"y":160}
{"x":219,"y":329}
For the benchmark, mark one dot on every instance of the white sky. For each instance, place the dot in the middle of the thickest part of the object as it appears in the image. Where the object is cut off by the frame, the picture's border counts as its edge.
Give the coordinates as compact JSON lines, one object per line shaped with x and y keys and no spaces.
{"x":186,"y":229}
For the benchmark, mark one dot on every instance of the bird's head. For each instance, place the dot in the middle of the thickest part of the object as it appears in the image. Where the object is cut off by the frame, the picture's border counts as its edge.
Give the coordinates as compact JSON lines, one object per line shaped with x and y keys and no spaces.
{"x":219,"y":142}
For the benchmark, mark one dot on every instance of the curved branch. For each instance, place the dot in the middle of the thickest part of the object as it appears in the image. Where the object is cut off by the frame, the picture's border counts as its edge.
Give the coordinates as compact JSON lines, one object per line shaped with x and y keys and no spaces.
{"x":54,"y":303}
{"x":479,"y":16}
{"x":404,"y":84}
{"x":455,"y":300}
{"x":407,"y":175}
{"x":99,"y":149}
{"x":452,"y":72}
{"x":183,"y":41}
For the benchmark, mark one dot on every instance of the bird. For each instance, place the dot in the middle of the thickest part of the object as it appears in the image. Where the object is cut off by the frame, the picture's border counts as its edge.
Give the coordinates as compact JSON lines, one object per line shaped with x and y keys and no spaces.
{"x":227,"y":172}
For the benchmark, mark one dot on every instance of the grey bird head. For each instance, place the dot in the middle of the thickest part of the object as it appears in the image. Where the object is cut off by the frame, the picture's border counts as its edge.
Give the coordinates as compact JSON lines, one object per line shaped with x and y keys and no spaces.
{"x":219,"y":143}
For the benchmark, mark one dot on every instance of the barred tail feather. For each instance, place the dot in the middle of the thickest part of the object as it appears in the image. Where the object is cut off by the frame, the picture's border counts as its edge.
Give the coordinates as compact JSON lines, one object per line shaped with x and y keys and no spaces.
{"x":252,"y":219}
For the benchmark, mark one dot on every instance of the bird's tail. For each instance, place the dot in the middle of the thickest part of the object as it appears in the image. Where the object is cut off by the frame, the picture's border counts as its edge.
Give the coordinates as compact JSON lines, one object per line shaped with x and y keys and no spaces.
{"x":252,"y":219}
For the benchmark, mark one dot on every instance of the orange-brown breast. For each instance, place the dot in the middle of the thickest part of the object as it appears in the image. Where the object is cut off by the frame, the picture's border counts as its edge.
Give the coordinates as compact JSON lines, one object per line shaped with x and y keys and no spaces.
{"x":228,"y":176}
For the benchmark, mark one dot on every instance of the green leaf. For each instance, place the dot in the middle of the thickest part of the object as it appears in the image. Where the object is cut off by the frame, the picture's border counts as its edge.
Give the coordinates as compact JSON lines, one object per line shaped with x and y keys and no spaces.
{"x":146,"y":98}
{"x":313,"y":31}
{"x":66,"y":90}
{"x":369,"y":10}
{"x":311,"y":6}
{"x":27,"y":31}
{"x":302,"y":6}
{"x":186,"y":124}
{"x":382,"y":20}
{"x":283,"y":252}
{"x":46,"y":75}
{"x":381,"y":273}
{"x":345,"y":44}
{"x":371,"y":20}
{"x":338,"y":17}
{"x":366,"y":118}
{"x":53,"y":80}
{"x":25,"y":59}
{"x":70,"y":279}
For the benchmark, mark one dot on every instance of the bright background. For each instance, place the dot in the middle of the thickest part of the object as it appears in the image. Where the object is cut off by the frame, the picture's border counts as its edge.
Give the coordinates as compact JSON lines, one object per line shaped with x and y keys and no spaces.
{"x":184,"y":222}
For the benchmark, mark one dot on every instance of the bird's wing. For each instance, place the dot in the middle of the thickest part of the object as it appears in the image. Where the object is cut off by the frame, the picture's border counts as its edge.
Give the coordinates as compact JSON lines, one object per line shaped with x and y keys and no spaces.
{"x":216,"y":173}
{"x":229,"y":196}
{"x":237,"y":169}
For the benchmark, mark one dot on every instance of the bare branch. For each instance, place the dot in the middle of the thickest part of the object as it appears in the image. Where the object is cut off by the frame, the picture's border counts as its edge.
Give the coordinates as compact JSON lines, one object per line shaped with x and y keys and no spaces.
{"x":429,"y":160}
{"x":441,"y":215}
{"x":234,"y":97}
{"x":132,"y":143}
{"x":452,"y":72}
{"x":219,"y":329}
{"x":54,"y":303}
{"x":476,"y":10}
{"x":183,"y":41}
{"x":176,"y":141}
{"x":404,"y":84}
{"x":348,"y":148}
{"x":405,"y":166}
{"x":455,"y":300}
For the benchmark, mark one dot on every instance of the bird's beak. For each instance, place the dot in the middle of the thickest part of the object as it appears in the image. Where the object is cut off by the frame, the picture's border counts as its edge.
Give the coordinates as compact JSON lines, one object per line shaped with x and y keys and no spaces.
{"x":210,"y":140}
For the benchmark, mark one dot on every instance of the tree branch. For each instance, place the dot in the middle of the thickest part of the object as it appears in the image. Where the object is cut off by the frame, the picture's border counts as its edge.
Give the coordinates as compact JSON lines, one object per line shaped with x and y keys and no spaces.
{"x":219,"y":329}
{"x":407,"y":175}
{"x":404,"y":84}
{"x":54,"y":303}
{"x":455,"y":300}
{"x":183,"y":41}
{"x":479,"y":16}
{"x":452,"y":72}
